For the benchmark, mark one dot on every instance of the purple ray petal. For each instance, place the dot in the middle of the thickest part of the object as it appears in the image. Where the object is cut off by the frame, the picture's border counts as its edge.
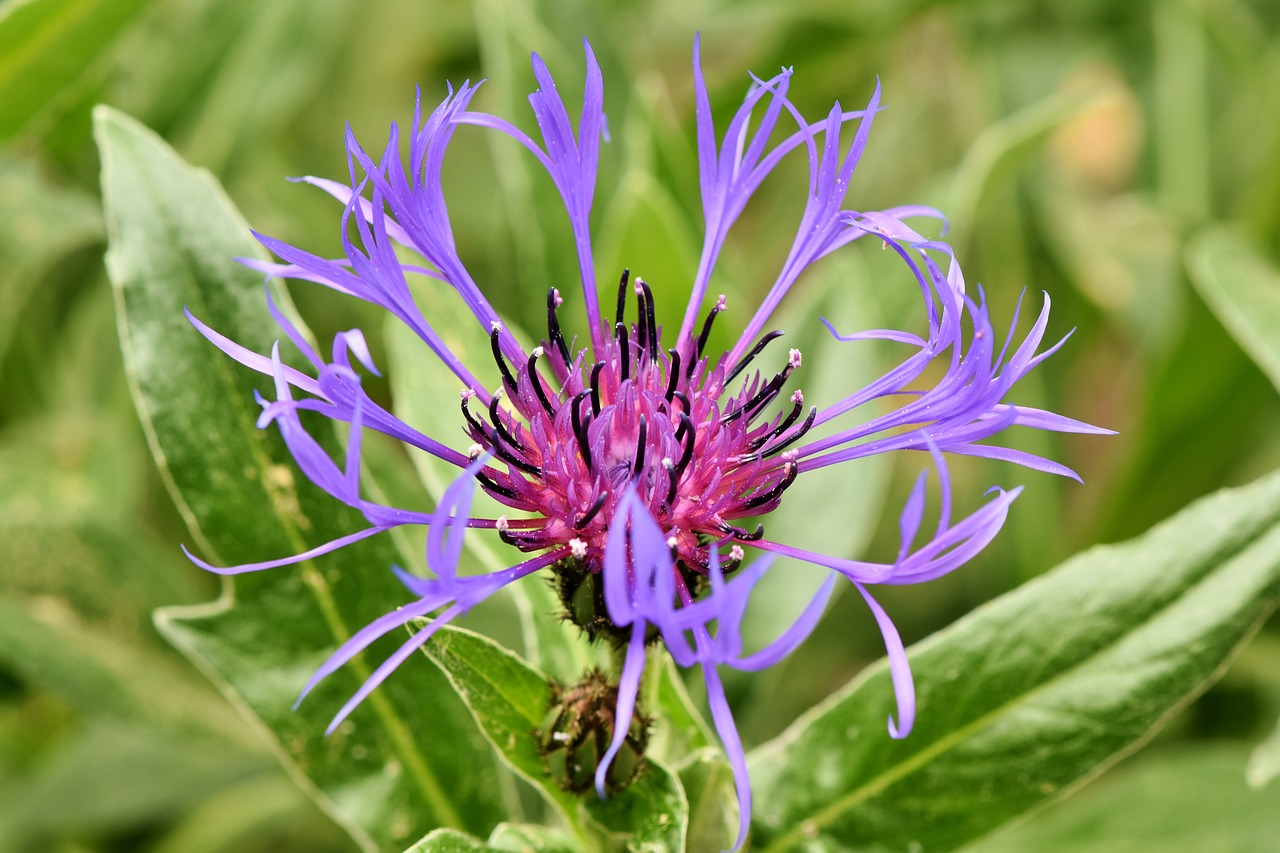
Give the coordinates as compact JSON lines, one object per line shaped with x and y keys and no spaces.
{"x":628,"y":689}
{"x":388,"y":666}
{"x":333,"y":545}
{"x":900,"y":670}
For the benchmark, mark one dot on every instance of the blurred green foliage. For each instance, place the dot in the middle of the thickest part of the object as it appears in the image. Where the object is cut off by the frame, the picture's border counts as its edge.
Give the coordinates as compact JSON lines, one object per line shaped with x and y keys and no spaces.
{"x":1099,"y":152}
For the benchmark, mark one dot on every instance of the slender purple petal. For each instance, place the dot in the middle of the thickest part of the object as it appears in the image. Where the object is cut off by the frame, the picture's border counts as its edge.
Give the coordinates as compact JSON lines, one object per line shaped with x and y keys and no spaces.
{"x":903,"y":688}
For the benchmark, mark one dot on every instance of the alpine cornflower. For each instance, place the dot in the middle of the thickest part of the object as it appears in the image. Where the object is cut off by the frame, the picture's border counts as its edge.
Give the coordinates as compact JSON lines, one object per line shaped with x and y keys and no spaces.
{"x":632,"y":463}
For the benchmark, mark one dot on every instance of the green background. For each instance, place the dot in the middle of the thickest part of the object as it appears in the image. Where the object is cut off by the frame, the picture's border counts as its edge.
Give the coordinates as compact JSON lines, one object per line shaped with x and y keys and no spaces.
{"x":1121,"y":157}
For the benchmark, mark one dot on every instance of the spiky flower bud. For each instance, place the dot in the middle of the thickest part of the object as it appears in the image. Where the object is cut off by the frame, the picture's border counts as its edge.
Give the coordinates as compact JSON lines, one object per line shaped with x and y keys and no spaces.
{"x":577,"y":731}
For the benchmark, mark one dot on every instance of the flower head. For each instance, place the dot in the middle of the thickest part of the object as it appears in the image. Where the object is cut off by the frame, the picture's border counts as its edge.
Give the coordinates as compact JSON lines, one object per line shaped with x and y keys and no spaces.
{"x":635,"y":464}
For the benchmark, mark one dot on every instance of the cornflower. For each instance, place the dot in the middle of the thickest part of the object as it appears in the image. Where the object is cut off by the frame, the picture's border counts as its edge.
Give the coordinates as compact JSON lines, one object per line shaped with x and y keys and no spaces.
{"x":632,"y":462}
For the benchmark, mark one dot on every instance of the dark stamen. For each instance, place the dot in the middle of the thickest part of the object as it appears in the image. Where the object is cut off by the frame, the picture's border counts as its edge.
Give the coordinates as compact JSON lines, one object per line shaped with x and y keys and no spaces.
{"x":493,"y":488}
{"x":595,"y":387}
{"x":523,"y":464}
{"x":648,"y":319}
{"x":685,"y":430}
{"x":763,"y":397}
{"x":791,"y":471}
{"x":536,"y":382}
{"x":742,"y":535}
{"x":624,"y":351}
{"x":580,"y":428}
{"x":622,"y":296}
{"x":706,"y":329}
{"x":476,"y":424}
{"x":795,"y":436}
{"x":593,"y":510}
{"x":782,"y":427}
{"x":642,"y":328}
{"x":673,"y":481}
{"x":502,"y":362}
{"x":755,"y":351}
{"x":673,"y":373}
{"x":553,"y":327}
{"x":637,"y":466}
{"x":501,"y":428}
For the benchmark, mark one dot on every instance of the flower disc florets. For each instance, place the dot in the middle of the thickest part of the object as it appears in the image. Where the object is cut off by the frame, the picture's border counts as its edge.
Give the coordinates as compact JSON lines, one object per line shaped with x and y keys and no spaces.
{"x":658,"y":420}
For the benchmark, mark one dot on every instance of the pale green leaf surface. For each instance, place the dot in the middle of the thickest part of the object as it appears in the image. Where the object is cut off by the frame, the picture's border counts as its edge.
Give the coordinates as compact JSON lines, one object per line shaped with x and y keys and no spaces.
{"x":1188,"y":800}
{"x":707,"y":780}
{"x":1032,"y":694}
{"x":47,"y":45}
{"x":510,"y":700}
{"x":651,"y":816}
{"x":449,"y":841}
{"x":680,"y":728}
{"x":525,"y":837}
{"x":1243,"y":290}
{"x":409,"y":758}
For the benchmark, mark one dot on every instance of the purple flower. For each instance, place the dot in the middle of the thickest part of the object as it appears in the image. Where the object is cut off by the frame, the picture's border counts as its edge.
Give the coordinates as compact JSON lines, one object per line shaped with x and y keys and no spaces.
{"x":637,"y":460}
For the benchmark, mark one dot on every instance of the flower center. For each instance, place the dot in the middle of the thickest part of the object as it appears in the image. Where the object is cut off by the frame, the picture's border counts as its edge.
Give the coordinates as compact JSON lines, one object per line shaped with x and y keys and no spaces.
{"x":660,"y":420}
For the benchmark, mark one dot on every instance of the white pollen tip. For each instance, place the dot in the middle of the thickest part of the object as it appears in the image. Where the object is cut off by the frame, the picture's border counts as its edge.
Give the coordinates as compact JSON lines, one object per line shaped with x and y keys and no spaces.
{"x":557,"y":298}
{"x":495,"y":326}
{"x":793,"y":358}
{"x":538,"y":352}
{"x":497,"y":393}
{"x":466,"y":393}
{"x":736,"y":553}
{"x":672,"y":542}
{"x":668,"y":463}
{"x":797,"y":397}
{"x":577,"y":547}
{"x":502,"y":524}
{"x":474,"y":451}
{"x":790,"y":456}
{"x":721,"y":302}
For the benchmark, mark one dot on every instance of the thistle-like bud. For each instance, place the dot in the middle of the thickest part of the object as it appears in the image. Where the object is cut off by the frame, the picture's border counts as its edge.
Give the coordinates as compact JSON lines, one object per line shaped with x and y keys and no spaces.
{"x":577,"y":732}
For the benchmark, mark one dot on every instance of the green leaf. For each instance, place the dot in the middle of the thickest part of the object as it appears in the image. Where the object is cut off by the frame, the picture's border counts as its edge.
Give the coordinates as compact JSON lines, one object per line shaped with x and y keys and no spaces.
{"x":651,"y":816}
{"x":1242,"y":289}
{"x":510,"y":700}
{"x":449,"y":841}
{"x":681,"y":729}
{"x":1186,"y":801}
{"x":707,"y":780}
{"x":524,"y":838}
{"x":409,"y":758}
{"x":1264,"y":763}
{"x":46,"y":46}
{"x":1033,"y":694}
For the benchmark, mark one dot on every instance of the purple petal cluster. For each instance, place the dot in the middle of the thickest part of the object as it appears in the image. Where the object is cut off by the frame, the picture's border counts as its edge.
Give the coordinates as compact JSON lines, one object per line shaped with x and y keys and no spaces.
{"x":635,"y":458}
